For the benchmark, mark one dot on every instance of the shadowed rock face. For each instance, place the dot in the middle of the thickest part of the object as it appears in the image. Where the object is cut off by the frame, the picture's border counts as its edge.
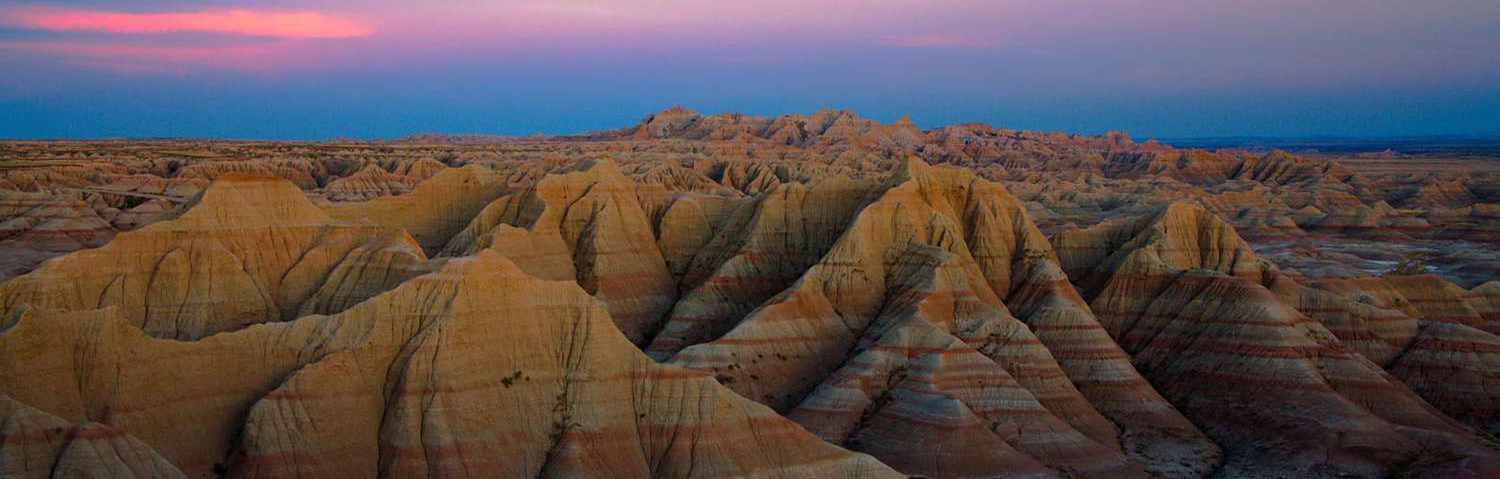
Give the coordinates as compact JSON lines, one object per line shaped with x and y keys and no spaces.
{"x":905,"y":313}
{"x":826,"y":303}
{"x":759,"y":249}
{"x":40,"y":225}
{"x":34,"y":444}
{"x":586,"y":226}
{"x":1214,"y":330}
{"x":434,"y":211}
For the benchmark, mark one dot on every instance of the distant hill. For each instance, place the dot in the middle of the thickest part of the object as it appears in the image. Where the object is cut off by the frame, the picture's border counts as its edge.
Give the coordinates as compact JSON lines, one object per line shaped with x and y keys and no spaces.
{"x":1407,"y":145}
{"x":457,"y":139}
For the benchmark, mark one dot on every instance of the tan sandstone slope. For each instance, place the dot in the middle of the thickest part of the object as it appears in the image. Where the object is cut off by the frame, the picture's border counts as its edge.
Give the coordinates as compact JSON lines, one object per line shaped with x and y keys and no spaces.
{"x":472,"y":371}
{"x":583,"y":224}
{"x":434,"y":211}
{"x":250,"y":250}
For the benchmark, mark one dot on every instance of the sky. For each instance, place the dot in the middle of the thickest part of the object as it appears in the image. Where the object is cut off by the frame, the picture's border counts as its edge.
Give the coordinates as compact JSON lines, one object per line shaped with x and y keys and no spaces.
{"x":320,"y":69}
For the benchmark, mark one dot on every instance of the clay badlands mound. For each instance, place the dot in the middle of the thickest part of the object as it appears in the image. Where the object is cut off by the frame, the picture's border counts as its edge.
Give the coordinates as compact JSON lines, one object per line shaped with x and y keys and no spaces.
{"x":816,"y":296}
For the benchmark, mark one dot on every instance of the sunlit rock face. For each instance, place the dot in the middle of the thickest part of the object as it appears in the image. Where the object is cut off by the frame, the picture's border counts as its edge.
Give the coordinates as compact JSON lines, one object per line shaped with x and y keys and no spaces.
{"x":726,"y":296}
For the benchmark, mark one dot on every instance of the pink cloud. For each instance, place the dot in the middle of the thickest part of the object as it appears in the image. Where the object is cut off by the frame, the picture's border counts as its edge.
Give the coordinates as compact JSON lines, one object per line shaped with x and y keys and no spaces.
{"x":239,"y":22}
{"x":943,"y":40}
{"x":125,"y":58}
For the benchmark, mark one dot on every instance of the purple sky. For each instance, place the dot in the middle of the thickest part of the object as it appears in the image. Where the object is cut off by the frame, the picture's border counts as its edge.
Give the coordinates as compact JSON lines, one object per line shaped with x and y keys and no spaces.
{"x":382,"y":68}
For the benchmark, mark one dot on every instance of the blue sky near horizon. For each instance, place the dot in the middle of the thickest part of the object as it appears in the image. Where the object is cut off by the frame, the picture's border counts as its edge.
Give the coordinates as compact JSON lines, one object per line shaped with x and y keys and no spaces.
{"x":317,"y":69}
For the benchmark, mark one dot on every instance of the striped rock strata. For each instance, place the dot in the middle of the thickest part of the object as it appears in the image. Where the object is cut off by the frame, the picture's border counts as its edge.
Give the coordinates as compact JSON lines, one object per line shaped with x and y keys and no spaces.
{"x":369,"y":183}
{"x":757,"y":251}
{"x":411,"y":383}
{"x":1282,"y":394}
{"x":684,"y":223}
{"x":37,"y":445}
{"x":897,"y":342}
{"x":434,"y":211}
{"x":251,"y":250}
{"x":584,"y":224}
{"x":1427,"y":332}
{"x":916,"y":314}
{"x":38,"y":226}
{"x":301,"y":172}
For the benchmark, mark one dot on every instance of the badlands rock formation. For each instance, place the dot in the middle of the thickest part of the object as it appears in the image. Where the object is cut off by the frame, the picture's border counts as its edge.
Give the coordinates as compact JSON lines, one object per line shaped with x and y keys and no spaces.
{"x":586,"y":226}
{"x":725,"y":296}
{"x":248,"y":250}
{"x":907,"y":307}
{"x":434,"y":211}
{"x":407,"y":384}
{"x":1208,"y":323}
